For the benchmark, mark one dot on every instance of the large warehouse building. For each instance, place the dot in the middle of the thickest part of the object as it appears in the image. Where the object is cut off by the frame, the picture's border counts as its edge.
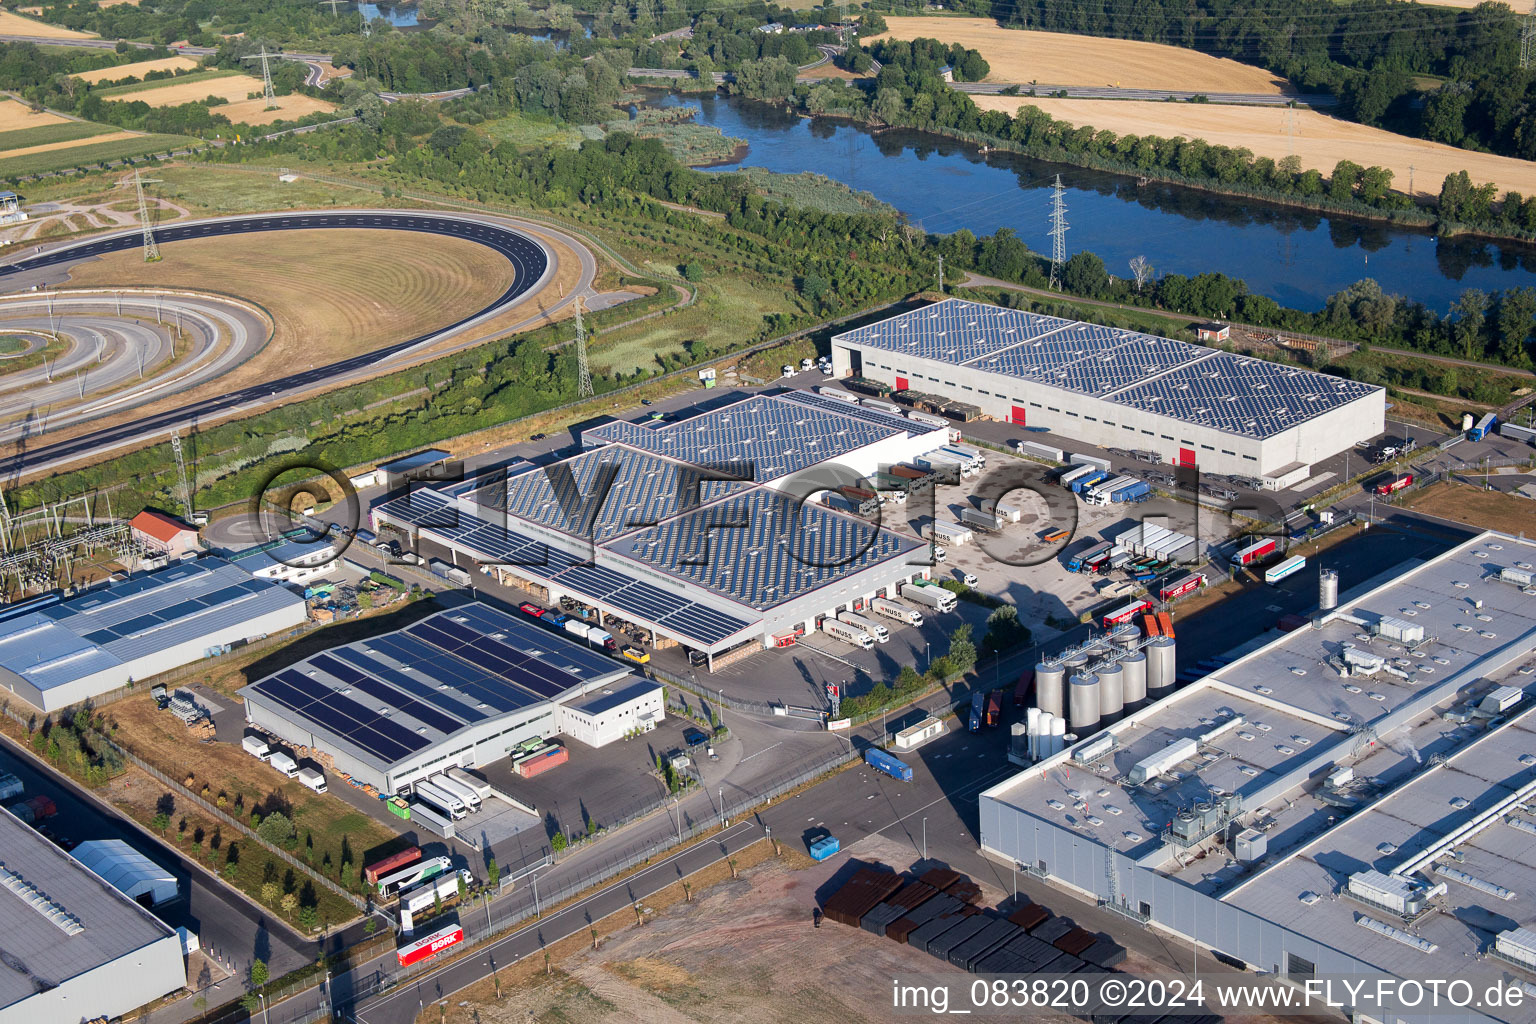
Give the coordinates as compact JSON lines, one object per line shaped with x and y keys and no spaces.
{"x":129,"y":630}
{"x":644,"y":529}
{"x":461,"y":688}
{"x":1117,"y":388}
{"x":72,"y":947}
{"x":1349,"y":798}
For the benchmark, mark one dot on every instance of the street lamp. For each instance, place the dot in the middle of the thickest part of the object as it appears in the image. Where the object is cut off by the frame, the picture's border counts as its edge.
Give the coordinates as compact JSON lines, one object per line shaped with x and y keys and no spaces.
{"x":264,"y":1014}
{"x":925,"y":839}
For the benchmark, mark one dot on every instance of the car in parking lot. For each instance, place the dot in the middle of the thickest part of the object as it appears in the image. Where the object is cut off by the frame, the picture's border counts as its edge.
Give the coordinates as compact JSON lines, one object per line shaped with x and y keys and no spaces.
{"x":636,"y":655}
{"x":693,"y":737}
{"x":538,"y":437}
{"x":645,"y":401}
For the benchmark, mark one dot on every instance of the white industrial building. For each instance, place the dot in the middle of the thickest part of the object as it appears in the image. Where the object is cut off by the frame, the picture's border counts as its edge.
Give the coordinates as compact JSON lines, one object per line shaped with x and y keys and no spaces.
{"x":292,"y":558}
{"x":1351,"y":798}
{"x":128,"y":871}
{"x":461,"y":688}
{"x":604,"y":716}
{"x":1117,"y":388}
{"x":75,"y":948}
{"x":58,"y":654}
{"x":697,"y":530}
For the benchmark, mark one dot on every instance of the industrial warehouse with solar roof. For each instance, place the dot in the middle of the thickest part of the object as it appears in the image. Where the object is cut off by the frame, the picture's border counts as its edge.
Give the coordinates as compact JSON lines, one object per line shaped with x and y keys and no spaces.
{"x":463,"y":688}
{"x":1118,"y":388}
{"x":696,"y":531}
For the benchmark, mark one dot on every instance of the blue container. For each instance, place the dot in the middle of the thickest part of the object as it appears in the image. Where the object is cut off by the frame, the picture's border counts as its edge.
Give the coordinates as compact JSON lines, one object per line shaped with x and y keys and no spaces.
{"x":824,"y":847}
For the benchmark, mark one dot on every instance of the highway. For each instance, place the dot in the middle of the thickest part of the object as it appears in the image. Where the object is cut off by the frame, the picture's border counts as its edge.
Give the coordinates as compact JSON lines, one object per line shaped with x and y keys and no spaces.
{"x":532,"y":266}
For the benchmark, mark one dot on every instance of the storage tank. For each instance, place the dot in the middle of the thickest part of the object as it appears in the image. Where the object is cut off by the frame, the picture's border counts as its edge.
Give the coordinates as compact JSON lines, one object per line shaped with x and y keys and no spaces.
{"x":1162,"y":673}
{"x":1083,"y":698}
{"x":1135,"y":668}
{"x":1019,"y":740}
{"x":1466,"y":422}
{"x":1058,"y":734}
{"x":1127,"y":635}
{"x":1327,"y":590}
{"x":1050,"y":687}
{"x":1111,"y":693}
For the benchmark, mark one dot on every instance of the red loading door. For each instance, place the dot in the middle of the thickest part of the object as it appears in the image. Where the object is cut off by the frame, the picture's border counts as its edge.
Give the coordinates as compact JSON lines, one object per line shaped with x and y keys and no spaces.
{"x":1186,"y":456}
{"x":1018,"y":415}
{"x":902,"y":385}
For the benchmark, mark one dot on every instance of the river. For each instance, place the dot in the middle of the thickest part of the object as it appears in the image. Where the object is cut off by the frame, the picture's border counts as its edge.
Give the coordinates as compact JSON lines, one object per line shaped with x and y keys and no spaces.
{"x":1296,"y":257}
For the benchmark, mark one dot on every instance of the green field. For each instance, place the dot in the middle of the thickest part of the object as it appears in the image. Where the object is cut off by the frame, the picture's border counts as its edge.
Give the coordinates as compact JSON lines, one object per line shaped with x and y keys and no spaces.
{"x":81,"y":156}
{"x":527,"y":133}
{"x":46,"y":134}
{"x":10,"y":344}
{"x":160,"y":83}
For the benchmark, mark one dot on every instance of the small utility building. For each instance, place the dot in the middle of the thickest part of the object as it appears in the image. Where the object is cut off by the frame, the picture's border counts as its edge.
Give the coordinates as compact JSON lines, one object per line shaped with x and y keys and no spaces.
{"x":163,"y":533}
{"x":613,"y":713}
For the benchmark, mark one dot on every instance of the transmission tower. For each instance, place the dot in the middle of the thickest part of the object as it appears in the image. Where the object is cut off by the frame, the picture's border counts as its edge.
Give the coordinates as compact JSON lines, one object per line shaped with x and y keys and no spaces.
{"x":266,"y":75}
{"x":1528,"y":41}
{"x":334,"y":4}
{"x":151,"y":247}
{"x":941,"y":274}
{"x":583,"y":371}
{"x":1058,"y":231}
{"x":185,"y":492}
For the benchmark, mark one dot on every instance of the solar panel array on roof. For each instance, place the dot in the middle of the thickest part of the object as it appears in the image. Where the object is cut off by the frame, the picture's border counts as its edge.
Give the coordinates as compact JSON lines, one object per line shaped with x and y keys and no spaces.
{"x":954,"y":331}
{"x":493,"y":541}
{"x":1242,"y":395}
{"x":340,"y":715}
{"x":879,"y":418}
{"x":776,"y":437}
{"x":1207,"y":387}
{"x":763,"y":548}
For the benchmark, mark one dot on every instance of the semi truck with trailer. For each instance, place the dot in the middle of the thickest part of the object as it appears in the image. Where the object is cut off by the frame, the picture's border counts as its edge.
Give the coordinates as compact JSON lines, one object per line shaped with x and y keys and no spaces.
{"x":1483,"y":427}
{"x":428,"y":946}
{"x":592,"y":635}
{"x":1086,"y":560}
{"x":1084,"y":483}
{"x":481,"y":788}
{"x":896,"y":610}
{"x":1254,"y":550}
{"x":847,"y":634}
{"x":467,"y":796}
{"x":1089,"y":460}
{"x":869,"y":626}
{"x":978,"y":711}
{"x":993,"y":714}
{"x":1179,"y":587}
{"x":1126,"y":612}
{"x":440,"y":799}
{"x":1518,"y":433}
{"x":1290,"y":567}
{"x":880,"y":761}
{"x":430,"y":867}
{"x":1395,"y":484}
{"x":1075,"y":473}
{"x":438,"y":890}
{"x":929,"y":595}
{"x":979,"y":520}
{"x":429,"y":819}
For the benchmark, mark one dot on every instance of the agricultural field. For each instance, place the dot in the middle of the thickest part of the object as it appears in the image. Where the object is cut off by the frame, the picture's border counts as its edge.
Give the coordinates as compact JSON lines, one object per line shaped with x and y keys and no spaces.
{"x":136,"y":70}
{"x":234,"y":86}
{"x":1056,"y":58}
{"x":16,"y":25}
{"x":23,"y":140}
{"x":14,"y":116}
{"x":1320,"y":141}
{"x":111,"y":144}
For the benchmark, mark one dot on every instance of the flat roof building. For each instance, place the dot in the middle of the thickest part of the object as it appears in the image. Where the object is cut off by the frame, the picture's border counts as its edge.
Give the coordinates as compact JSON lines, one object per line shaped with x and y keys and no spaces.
{"x":461,"y":688}
{"x":606,"y":715}
{"x":76,"y":948}
{"x":1348,"y":798}
{"x":697,"y":530}
{"x":1118,"y":388}
{"x":292,"y":558}
{"x":138,"y":627}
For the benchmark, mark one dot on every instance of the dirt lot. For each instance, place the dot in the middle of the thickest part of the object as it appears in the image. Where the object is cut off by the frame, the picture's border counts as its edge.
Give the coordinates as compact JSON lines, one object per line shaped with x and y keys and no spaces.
{"x":91,"y":140}
{"x":1057,"y":58}
{"x":138,"y":70}
{"x":289,"y":108}
{"x":15,"y":116}
{"x":15,"y":25}
{"x":1320,"y":141}
{"x":237,"y":89}
{"x":1463,"y":503}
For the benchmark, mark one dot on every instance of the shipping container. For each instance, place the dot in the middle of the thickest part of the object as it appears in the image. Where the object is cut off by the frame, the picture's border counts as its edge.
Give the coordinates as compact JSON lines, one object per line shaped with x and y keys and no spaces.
{"x":543,"y":761}
{"x":1289,"y":567}
{"x":1126,"y":612}
{"x":34,"y":809}
{"x":394,"y":862}
{"x":883,"y":762}
{"x":411,"y":874}
{"x":428,"y":946}
{"x":928,"y":594}
{"x":1253,"y":551}
{"x":847,"y":634}
{"x":993,"y":715}
{"x":896,"y":610}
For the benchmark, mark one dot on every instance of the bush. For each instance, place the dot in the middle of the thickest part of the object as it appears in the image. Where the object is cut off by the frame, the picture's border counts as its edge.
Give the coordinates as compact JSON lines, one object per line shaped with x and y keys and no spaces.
{"x":276,"y":829}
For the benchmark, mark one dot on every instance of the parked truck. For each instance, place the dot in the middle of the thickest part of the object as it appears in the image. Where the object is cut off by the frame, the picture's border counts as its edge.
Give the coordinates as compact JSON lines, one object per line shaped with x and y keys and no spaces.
{"x":1083,"y":485}
{"x":440,"y":799}
{"x":869,"y":626}
{"x":1395,"y":484}
{"x":313,"y":778}
{"x":412,"y":874}
{"x":1074,"y":473}
{"x":467,"y":796}
{"x":977,"y":519}
{"x":34,"y":809}
{"x":896,"y":610}
{"x":942,"y":467}
{"x":1088,"y":559}
{"x":1253,"y":551}
{"x":256,"y":747}
{"x":880,"y":761}
{"x":394,"y":862}
{"x":1518,"y":433}
{"x":993,"y":714}
{"x":848,"y":634}
{"x":438,"y":890}
{"x":1483,"y":427}
{"x":10,"y":786}
{"x":978,"y":711}
{"x":929,"y":595}
{"x":284,"y":763}
{"x":853,"y":506}
{"x":592,"y":635}
{"x":481,"y":788}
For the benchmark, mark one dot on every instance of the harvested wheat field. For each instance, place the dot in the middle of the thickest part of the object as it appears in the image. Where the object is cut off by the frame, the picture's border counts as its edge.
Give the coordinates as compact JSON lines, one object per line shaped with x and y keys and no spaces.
{"x":15,"y":116}
{"x":289,"y":108}
{"x":1320,"y":141}
{"x":90,"y":140}
{"x":138,"y":70}
{"x":16,"y":25}
{"x":234,"y":88}
{"x":1057,"y":58}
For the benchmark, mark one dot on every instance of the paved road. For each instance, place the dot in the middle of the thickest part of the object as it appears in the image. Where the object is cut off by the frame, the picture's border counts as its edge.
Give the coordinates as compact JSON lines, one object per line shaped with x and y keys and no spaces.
{"x":533,"y":264}
{"x":1090,"y":92}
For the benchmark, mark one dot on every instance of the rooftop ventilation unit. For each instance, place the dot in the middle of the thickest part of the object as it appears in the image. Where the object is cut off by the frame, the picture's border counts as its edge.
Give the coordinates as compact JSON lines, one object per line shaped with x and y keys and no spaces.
{"x":1093,"y":750}
{"x":1517,"y":945}
{"x":1396,"y":934}
{"x":1392,"y":893}
{"x":39,"y":901}
{"x":1400,"y":630}
{"x":1149,"y":768}
{"x":1480,"y":884}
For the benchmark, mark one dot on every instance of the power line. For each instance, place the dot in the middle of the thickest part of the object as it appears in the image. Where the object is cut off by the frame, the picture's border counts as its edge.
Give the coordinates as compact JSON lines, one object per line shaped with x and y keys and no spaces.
{"x":583,"y":371}
{"x":1058,"y":231}
{"x":266,"y":75}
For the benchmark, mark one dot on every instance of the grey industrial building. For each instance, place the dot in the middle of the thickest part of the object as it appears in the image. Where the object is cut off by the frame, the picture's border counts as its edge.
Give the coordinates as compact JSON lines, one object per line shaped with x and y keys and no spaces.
{"x":55,"y":655}
{"x":72,"y":947}
{"x":1118,"y":388}
{"x":697,"y":530}
{"x":1352,"y":797}
{"x":461,"y":688}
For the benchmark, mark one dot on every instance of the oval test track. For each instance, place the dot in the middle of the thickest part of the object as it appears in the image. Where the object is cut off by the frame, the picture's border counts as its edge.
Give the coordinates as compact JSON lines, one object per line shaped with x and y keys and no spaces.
{"x":532,"y":262}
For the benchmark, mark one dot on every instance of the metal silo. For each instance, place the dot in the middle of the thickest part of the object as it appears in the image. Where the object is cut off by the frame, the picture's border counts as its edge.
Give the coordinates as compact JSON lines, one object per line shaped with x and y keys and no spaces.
{"x":1327,"y":590}
{"x":1020,"y":740}
{"x":1083,"y":700}
{"x":1111,"y":693}
{"x":1135,"y":668}
{"x":1126,"y":635}
{"x":1162,"y":671}
{"x":1058,"y":734}
{"x":1050,"y":688}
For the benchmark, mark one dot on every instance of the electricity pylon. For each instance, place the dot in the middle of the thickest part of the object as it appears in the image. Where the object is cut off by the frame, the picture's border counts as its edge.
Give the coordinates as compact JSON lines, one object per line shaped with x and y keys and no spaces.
{"x":151,"y":247}
{"x":185,"y":492}
{"x":266,"y":75}
{"x":583,"y":371}
{"x":1058,"y":231}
